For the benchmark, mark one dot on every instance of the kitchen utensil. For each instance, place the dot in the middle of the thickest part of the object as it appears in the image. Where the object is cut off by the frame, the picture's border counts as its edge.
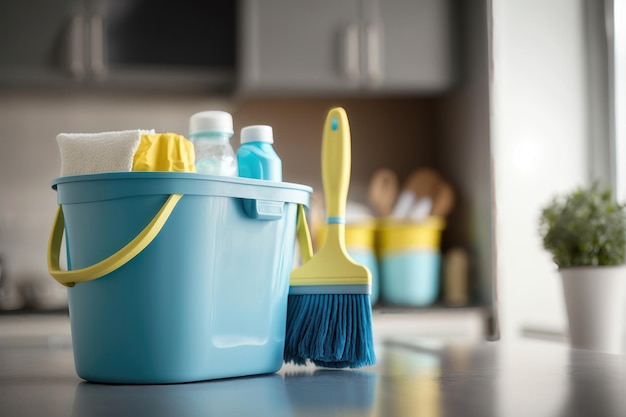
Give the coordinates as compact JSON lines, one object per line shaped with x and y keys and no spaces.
{"x":423,"y":182}
{"x":421,"y":209}
{"x":383,"y":191}
{"x":443,"y":199}
{"x":402,"y":208}
{"x":427,"y":182}
{"x":329,"y":318}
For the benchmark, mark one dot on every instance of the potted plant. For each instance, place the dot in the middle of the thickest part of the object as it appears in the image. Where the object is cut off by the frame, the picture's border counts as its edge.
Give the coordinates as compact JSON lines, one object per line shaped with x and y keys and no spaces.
{"x":585,"y":231}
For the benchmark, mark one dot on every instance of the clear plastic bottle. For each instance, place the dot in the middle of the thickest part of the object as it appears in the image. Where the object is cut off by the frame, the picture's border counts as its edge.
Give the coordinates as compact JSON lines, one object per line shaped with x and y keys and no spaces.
{"x":256,"y":157}
{"x":210,"y":132}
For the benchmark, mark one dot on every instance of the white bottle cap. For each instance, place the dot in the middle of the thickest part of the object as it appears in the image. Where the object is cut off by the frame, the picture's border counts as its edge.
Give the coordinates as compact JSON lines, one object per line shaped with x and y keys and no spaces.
{"x":258,"y":133}
{"x":211,"y":121}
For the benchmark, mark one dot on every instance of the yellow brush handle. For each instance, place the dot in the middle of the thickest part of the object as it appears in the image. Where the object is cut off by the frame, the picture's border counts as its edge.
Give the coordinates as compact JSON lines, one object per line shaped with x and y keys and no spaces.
{"x":331,"y":269}
{"x":336,"y":163}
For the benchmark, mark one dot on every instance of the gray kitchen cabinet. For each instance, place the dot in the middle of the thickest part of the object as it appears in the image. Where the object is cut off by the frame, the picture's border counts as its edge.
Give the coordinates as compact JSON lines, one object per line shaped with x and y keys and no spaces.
{"x":39,"y":42}
{"x":346,"y":45}
{"x":130,"y":44}
{"x":409,"y":45}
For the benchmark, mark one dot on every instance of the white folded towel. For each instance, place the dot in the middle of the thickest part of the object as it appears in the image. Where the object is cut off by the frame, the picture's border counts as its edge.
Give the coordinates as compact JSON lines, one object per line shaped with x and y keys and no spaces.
{"x":90,"y":153}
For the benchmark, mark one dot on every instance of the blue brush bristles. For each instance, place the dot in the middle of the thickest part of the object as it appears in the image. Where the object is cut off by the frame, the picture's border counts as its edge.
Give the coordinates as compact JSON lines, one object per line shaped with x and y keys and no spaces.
{"x":330,"y":330}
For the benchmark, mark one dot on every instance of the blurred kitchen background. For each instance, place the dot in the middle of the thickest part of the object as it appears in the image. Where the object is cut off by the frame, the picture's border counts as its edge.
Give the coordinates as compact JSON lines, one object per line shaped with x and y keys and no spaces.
{"x":510,"y":100}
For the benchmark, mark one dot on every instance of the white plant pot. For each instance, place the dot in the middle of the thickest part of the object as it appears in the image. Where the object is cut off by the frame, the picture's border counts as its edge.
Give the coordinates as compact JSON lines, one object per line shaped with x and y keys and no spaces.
{"x":595,"y":298}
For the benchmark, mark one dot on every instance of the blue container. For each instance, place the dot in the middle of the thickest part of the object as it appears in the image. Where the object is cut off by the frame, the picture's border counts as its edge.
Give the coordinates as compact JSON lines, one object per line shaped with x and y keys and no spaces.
{"x":410,"y":261}
{"x":411,"y":278}
{"x":206,"y":299}
{"x":256,"y":158}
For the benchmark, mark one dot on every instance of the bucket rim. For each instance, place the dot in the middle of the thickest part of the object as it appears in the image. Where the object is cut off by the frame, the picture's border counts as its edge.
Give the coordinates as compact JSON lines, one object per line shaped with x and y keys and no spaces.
{"x":179,"y":176}
{"x":113,"y":185}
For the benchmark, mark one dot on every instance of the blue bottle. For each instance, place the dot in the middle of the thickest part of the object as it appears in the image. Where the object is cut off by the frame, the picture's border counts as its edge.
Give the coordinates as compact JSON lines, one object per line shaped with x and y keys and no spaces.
{"x":256,"y":157}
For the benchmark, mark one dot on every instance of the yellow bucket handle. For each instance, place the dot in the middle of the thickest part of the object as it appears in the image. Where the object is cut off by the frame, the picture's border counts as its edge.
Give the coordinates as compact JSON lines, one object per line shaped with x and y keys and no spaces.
{"x":304,"y":236}
{"x":110,"y":264}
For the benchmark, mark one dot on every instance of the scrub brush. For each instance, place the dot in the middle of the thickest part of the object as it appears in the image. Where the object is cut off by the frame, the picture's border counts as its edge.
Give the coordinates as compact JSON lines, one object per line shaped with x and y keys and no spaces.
{"x":329,"y":316}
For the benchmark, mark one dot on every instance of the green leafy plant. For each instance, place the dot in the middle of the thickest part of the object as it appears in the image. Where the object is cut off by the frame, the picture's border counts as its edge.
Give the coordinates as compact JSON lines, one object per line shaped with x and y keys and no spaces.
{"x":584,"y":228}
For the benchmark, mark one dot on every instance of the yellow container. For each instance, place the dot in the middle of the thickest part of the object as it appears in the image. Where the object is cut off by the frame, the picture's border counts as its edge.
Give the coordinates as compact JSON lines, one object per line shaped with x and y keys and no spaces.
{"x":360,"y":235}
{"x":404,"y":257}
{"x":410,"y":261}
{"x":396,"y":236}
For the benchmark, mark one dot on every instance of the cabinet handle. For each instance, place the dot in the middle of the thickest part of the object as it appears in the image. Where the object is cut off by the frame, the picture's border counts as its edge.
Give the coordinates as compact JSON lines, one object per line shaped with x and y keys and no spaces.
{"x":76,"y":57}
{"x":96,"y":32}
{"x":351,"y":52}
{"x":374,"y":70}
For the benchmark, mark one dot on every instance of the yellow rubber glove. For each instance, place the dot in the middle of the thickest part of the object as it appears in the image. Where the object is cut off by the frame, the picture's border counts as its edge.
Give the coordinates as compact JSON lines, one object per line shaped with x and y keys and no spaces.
{"x":164,"y":152}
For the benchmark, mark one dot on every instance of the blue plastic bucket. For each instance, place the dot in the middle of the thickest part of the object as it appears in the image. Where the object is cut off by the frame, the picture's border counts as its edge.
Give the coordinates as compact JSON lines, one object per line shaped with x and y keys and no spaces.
{"x":205,"y":299}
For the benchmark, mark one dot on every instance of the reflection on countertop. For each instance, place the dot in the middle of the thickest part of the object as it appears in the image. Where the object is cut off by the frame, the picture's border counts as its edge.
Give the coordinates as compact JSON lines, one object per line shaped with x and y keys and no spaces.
{"x":35,"y":329}
{"x":413,"y":377}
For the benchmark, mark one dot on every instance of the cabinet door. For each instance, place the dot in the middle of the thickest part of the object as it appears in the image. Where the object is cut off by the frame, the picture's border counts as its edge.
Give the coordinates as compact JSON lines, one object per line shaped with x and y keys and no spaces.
{"x":160,"y":44}
{"x":304,"y":46}
{"x":41,"y":42}
{"x":134,"y":44}
{"x":408,"y":44}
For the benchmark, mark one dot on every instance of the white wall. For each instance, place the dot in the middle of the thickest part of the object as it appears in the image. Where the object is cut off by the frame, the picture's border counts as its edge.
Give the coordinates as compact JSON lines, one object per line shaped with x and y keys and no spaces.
{"x":619,"y":80}
{"x":539,"y":125}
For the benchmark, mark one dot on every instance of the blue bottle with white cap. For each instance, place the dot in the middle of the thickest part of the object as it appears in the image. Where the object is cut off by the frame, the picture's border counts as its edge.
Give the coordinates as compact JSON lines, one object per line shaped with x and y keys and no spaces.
{"x":256,"y":157}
